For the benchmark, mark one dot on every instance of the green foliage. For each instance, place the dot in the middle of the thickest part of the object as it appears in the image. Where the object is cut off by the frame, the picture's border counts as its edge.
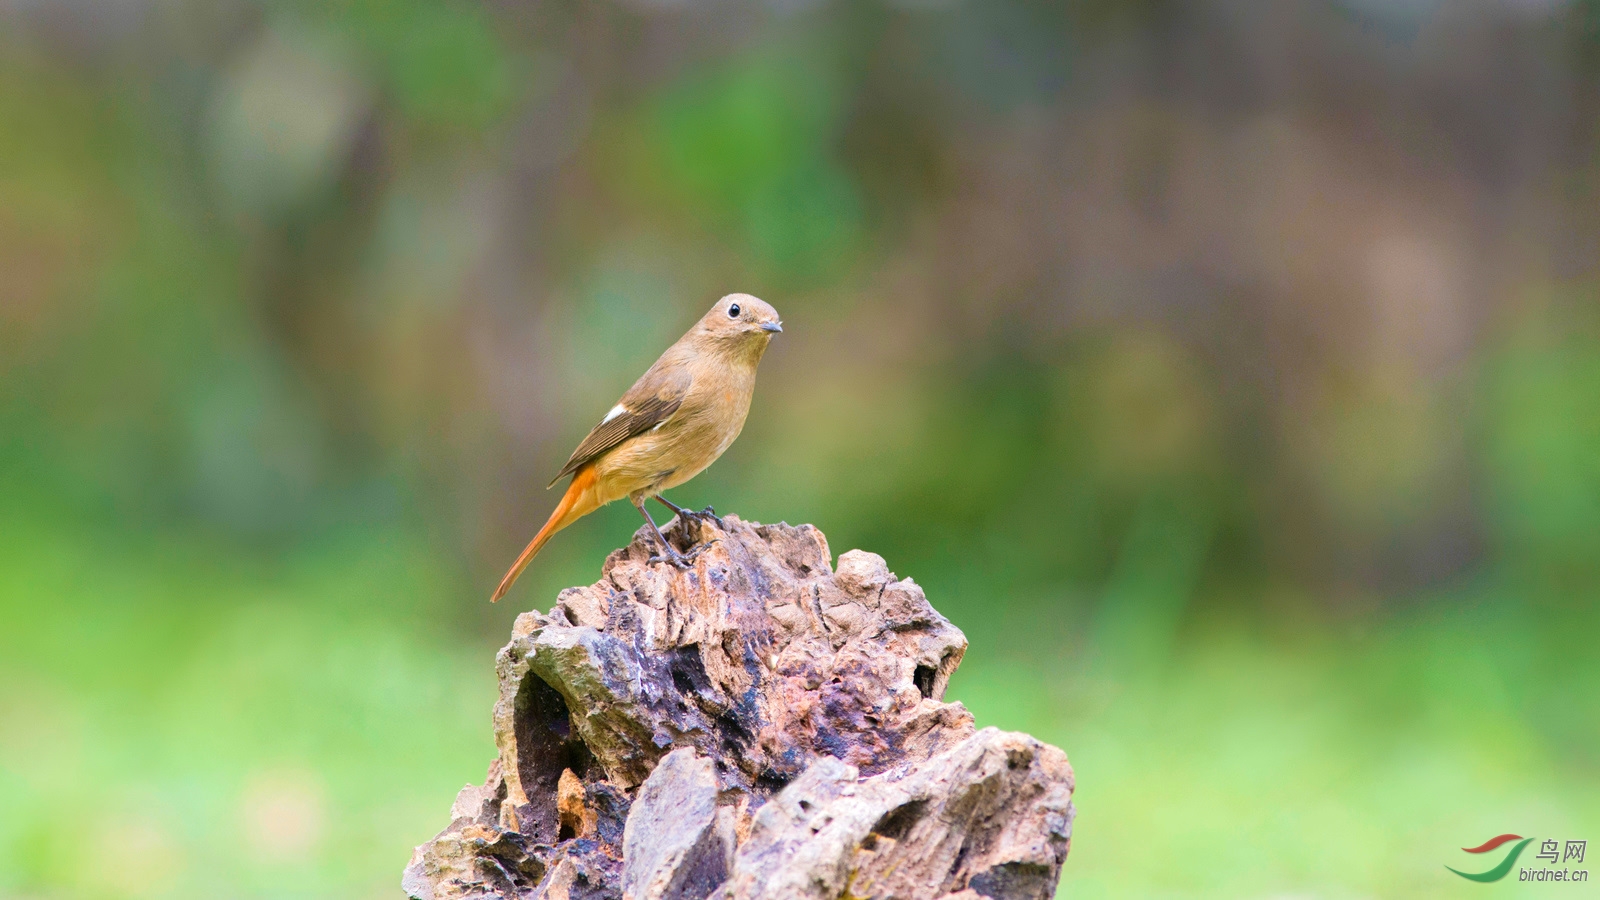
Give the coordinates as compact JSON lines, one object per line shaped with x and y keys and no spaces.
{"x":189,"y":719}
{"x":1542,"y":414}
{"x":441,"y":59}
{"x":750,"y":146}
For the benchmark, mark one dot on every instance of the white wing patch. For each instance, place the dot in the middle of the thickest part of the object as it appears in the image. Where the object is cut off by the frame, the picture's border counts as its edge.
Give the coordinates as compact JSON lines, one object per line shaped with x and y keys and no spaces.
{"x":617,"y":410}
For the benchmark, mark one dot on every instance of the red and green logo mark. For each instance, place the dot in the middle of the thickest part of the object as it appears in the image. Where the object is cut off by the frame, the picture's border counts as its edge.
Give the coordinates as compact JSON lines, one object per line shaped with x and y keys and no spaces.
{"x":1499,"y":871}
{"x":1552,"y":853}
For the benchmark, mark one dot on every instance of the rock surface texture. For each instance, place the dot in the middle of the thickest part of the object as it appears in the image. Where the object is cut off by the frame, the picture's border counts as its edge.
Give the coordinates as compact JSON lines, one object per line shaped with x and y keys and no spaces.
{"x":760,"y":726}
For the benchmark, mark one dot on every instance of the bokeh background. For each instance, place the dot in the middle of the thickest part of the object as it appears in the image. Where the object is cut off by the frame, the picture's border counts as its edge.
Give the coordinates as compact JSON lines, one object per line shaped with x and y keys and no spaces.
{"x":1229,"y":372}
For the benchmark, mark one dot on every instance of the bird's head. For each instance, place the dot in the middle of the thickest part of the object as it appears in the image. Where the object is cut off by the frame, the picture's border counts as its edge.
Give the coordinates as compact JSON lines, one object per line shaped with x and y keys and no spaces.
{"x":742,"y":322}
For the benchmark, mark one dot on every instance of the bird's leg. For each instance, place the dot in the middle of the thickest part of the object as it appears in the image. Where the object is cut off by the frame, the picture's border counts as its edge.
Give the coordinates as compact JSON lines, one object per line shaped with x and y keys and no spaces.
{"x":669,"y":553}
{"x":682,"y":513}
{"x":687,"y":514}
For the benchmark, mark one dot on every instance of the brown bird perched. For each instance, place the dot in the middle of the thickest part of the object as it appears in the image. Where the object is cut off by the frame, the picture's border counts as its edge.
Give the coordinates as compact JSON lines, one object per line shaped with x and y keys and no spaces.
{"x":675,"y":420}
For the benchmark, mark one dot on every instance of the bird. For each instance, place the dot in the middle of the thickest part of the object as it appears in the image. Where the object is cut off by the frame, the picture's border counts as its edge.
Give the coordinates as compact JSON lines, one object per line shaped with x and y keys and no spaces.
{"x":674,"y":422}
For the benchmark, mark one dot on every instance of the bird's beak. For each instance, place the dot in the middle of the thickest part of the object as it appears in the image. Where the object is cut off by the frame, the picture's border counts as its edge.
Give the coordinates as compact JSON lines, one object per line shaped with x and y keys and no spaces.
{"x":774,"y":327}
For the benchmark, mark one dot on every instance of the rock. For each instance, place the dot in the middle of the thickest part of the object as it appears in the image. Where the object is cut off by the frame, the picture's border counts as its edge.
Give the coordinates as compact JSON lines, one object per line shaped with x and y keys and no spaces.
{"x":672,"y":846}
{"x":760,"y":725}
{"x":920,"y":830}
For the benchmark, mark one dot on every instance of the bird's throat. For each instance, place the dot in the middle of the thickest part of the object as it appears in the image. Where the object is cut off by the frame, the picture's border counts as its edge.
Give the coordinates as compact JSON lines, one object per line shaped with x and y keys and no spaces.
{"x":744,"y":350}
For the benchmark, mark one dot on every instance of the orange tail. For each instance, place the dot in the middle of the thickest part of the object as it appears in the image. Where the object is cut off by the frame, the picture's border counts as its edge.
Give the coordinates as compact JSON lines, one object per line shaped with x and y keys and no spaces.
{"x":576,"y":503}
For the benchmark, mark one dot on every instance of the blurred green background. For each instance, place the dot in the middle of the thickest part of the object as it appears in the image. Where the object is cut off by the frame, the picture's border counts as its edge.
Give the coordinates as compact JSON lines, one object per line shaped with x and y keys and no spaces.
{"x":1230,"y":373}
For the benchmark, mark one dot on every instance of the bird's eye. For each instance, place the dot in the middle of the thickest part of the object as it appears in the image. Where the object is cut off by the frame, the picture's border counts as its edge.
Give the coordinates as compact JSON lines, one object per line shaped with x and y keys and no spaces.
{"x":733,"y":311}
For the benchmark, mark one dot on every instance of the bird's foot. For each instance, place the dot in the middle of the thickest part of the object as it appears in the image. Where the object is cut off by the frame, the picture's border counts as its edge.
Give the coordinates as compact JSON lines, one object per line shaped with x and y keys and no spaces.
{"x":707,"y":513}
{"x":682,"y":560}
{"x":699,"y":519}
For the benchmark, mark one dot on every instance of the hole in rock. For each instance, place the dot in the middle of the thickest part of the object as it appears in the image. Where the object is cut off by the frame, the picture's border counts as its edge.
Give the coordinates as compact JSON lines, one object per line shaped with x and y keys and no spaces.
{"x":897,"y":822}
{"x":688,"y":670}
{"x":546,"y":744}
{"x":1015,"y":879}
{"x":923,"y":679}
{"x":772,"y":781}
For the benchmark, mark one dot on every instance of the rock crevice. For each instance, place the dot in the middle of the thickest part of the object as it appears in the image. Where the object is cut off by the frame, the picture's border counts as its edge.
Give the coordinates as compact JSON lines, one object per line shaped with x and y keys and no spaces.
{"x":762,"y":725}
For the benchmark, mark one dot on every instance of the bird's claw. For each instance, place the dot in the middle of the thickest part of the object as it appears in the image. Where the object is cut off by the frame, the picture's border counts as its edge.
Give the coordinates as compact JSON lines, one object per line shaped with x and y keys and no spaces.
{"x":700,"y":517}
{"x":682,"y":560}
{"x":676,"y":559}
{"x":710,"y":513}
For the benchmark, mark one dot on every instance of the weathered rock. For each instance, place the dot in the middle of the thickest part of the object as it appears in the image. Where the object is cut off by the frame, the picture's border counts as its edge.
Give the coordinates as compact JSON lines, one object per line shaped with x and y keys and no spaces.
{"x":760,"y":725}
{"x":919,"y":830}
{"x":675,"y":845}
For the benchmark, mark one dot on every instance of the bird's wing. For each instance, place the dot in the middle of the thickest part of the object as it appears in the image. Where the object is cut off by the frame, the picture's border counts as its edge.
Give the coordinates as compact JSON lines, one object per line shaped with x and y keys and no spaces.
{"x":646,"y":405}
